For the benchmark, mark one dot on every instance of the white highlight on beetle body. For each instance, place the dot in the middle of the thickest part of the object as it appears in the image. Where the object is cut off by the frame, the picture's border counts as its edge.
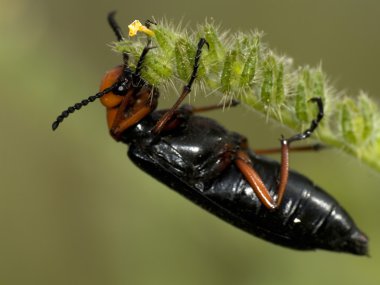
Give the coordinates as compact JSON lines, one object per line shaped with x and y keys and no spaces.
{"x":249,"y":192}
{"x":296,"y":221}
{"x":193,"y":149}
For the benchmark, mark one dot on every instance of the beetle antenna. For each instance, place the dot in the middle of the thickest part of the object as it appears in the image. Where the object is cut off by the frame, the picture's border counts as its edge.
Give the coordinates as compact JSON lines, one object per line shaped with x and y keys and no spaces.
{"x":119,"y":34}
{"x":115,"y":26}
{"x":77,"y":106}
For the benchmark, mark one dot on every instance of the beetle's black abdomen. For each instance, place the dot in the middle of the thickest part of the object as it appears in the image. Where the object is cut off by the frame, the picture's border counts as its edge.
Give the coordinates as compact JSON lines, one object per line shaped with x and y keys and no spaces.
{"x":308,"y":217}
{"x":197,"y":161}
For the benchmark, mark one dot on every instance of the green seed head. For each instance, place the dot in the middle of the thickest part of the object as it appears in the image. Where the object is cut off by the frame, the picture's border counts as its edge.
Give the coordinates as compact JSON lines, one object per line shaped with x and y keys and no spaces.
{"x":239,"y":66}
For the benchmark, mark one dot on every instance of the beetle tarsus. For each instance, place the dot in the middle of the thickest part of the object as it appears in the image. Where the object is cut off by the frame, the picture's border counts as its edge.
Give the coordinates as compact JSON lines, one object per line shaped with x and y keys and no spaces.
{"x":314,"y":123}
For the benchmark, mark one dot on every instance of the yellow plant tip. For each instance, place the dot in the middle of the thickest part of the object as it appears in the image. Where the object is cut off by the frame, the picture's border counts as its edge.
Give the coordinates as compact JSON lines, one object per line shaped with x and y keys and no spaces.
{"x":136,"y":27}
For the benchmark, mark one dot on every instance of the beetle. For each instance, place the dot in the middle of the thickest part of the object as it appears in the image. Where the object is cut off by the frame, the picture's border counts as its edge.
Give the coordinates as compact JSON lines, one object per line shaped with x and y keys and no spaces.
{"x":215,"y":168}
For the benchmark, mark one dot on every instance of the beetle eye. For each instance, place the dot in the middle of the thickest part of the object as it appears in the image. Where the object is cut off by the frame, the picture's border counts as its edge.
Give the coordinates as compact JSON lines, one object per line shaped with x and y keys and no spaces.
{"x":121,"y":89}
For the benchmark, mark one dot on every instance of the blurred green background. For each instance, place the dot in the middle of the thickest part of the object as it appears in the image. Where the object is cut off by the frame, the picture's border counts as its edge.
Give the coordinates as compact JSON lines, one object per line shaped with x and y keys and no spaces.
{"x":75,"y":210}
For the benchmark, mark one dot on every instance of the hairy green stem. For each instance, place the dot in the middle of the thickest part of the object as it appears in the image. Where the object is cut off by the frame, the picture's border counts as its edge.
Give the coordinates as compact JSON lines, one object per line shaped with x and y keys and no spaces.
{"x":239,"y":66}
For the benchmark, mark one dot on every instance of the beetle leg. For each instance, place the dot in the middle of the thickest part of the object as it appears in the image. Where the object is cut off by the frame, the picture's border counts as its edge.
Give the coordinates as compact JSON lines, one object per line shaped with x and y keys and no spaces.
{"x":181,"y":114}
{"x":179,"y":117}
{"x":285,"y":147}
{"x":139,"y":66}
{"x":147,"y":48}
{"x":244,"y":164}
{"x":301,"y":136}
{"x":186,"y":90}
{"x":121,"y":125}
{"x":208,"y":107}
{"x":215,"y":107}
{"x":313,"y":147}
{"x":314,"y":123}
{"x":120,"y":120}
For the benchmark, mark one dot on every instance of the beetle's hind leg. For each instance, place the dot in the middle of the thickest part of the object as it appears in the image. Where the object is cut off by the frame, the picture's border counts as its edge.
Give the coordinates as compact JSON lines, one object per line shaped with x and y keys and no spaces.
{"x":244,"y":164}
{"x":313,"y":147}
{"x":214,"y":107}
{"x":301,"y":136}
{"x":314,"y":123}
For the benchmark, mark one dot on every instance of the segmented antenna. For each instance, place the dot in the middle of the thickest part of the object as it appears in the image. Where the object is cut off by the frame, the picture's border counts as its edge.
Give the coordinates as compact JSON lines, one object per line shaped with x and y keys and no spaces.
{"x":115,"y":26}
{"x":119,"y":35}
{"x":77,"y":106}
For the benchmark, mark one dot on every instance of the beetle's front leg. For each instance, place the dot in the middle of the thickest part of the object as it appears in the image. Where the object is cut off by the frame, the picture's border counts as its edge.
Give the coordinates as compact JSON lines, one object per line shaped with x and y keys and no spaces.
{"x":186,"y":90}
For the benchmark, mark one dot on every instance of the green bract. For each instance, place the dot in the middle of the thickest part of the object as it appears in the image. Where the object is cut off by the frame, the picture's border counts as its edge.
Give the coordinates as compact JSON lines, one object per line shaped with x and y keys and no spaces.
{"x":239,"y":66}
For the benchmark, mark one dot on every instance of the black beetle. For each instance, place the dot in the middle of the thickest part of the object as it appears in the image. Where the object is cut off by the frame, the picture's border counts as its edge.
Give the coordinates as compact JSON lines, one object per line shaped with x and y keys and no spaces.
{"x":215,"y":169}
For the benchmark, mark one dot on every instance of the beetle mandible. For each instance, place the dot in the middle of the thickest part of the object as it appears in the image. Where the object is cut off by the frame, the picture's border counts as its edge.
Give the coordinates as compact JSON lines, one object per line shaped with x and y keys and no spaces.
{"x":215,"y":168}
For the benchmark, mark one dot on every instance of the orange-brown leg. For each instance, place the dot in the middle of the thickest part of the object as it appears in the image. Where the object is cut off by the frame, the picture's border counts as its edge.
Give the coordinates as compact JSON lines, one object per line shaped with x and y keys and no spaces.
{"x":314,"y":147}
{"x":121,"y":122}
{"x":244,"y":164}
{"x":193,"y":109}
{"x":178,"y":115}
{"x":233,"y":103}
{"x":120,"y":126}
